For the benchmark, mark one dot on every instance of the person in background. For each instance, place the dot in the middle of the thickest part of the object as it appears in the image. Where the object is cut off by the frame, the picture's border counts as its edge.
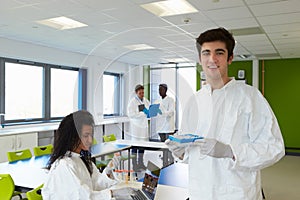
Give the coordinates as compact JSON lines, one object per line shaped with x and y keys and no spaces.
{"x":137,"y":111}
{"x":241,"y":133}
{"x":72,"y":173}
{"x":165,"y":122}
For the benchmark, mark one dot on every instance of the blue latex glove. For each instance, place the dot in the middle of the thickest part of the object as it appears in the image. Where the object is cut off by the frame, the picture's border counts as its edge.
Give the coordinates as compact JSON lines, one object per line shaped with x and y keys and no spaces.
{"x":146,"y":111}
{"x":159,"y":111}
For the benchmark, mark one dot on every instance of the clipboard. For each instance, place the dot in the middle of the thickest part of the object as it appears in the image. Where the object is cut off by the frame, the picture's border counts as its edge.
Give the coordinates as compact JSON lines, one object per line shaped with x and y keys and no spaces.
{"x":153,"y":110}
{"x":141,"y":107}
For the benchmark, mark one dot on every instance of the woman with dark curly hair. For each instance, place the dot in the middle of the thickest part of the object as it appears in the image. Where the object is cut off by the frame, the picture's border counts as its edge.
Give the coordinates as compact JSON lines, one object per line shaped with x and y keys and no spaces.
{"x":72,"y":173}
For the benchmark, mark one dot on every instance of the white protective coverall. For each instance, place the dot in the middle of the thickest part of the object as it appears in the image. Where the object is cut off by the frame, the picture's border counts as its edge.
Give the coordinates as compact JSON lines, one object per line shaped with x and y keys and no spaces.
{"x":69,"y":179}
{"x":138,"y":120}
{"x":238,"y":115}
{"x":165,"y":122}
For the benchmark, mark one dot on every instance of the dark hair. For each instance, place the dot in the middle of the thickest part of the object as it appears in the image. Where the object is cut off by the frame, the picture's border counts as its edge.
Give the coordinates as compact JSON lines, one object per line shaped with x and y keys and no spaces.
{"x":218,"y":34}
{"x":138,"y":87}
{"x":67,"y":136}
{"x":164,"y":86}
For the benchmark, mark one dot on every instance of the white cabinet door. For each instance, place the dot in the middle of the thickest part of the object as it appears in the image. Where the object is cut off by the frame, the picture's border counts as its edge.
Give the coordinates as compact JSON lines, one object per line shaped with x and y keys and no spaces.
{"x":7,"y":143}
{"x":26,"y":141}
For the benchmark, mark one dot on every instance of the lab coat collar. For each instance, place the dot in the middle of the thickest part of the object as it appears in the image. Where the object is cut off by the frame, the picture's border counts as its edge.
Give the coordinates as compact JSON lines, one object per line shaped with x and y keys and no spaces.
{"x":207,"y":86}
{"x":73,"y":154}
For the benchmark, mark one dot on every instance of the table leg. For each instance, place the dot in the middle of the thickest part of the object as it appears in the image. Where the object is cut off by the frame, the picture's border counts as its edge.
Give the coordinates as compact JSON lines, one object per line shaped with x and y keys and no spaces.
{"x":165,"y":157}
{"x":129,"y":160}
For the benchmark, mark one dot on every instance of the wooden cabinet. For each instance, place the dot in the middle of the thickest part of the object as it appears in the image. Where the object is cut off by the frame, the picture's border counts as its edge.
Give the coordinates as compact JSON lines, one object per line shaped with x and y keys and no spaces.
{"x":17,"y":142}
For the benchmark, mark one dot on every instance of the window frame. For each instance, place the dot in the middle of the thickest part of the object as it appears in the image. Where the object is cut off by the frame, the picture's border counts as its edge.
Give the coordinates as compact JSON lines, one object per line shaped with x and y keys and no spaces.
{"x":117,"y":95}
{"x":46,"y":93}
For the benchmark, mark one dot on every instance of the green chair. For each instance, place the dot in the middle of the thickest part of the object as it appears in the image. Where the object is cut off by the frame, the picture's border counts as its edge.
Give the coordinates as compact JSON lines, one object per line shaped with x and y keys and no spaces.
{"x":43,"y":150}
{"x":35,"y":194}
{"x":19,"y":155}
{"x":7,"y":186}
{"x":109,"y":138}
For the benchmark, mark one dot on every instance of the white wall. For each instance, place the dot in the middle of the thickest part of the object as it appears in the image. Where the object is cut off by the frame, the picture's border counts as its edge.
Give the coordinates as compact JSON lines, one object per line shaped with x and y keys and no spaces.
{"x":95,"y":65}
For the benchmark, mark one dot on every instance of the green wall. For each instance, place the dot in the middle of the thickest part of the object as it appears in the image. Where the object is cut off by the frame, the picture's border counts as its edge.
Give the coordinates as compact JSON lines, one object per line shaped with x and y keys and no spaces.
{"x":241,"y":65}
{"x":282,"y":90}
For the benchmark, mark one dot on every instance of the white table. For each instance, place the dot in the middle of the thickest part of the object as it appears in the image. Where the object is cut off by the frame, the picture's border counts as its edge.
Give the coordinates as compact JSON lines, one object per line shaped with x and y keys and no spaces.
{"x":31,"y":173}
{"x":106,"y":148}
{"x":152,"y":146}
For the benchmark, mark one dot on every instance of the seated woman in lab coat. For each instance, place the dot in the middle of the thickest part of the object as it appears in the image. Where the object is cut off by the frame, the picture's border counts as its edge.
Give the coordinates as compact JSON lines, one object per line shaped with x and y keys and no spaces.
{"x":72,"y":174}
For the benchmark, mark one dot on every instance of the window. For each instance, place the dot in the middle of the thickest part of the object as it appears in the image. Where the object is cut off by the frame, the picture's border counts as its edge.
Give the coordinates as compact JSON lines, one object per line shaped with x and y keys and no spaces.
{"x":23,"y":91}
{"x":181,"y":81}
{"x":33,"y":92}
{"x":111,"y":94}
{"x":64,"y":92}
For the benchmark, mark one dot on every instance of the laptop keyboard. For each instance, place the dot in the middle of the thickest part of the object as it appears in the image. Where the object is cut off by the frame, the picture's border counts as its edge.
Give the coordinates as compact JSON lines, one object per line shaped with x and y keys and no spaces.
{"x":138,"y":195}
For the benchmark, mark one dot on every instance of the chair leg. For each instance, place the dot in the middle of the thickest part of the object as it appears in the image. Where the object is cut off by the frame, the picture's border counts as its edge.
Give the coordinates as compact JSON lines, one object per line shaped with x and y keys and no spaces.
{"x":263,"y":194}
{"x":20,"y":196}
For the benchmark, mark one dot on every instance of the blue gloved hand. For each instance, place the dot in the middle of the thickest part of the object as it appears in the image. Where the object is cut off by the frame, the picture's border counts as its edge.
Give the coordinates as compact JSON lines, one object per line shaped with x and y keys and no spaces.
{"x":159,"y":111}
{"x":146,"y":111}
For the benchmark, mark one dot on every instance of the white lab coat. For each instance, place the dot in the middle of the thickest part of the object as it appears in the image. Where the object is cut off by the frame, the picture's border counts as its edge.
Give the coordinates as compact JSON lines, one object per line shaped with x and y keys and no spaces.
{"x":69,"y":179}
{"x":165,"y":123}
{"x":138,"y":120}
{"x":238,"y":115}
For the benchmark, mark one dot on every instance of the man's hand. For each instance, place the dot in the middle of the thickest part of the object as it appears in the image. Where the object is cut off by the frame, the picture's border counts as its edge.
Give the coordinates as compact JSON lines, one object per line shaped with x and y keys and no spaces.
{"x":177,"y":149}
{"x":214,"y":148}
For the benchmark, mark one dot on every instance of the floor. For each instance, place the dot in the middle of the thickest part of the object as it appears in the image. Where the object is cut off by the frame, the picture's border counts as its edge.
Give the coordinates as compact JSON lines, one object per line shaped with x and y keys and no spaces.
{"x":282,"y":180}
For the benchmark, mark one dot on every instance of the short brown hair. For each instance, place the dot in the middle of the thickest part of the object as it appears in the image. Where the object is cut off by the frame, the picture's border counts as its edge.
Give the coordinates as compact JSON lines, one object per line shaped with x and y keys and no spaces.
{"x":138,"y":87}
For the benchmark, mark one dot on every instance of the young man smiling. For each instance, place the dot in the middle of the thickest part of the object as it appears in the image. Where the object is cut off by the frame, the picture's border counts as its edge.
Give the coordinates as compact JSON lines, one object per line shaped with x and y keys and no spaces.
{"x":241,"y":133}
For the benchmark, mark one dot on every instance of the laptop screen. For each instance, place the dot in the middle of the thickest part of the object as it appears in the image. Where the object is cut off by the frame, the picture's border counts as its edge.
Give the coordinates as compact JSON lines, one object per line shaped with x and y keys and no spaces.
{"x":151,"y":180}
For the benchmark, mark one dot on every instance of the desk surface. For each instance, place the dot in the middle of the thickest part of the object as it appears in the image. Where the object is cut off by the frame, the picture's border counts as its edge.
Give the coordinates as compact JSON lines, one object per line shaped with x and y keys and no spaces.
{"x":28,"y":173}
{"x":147,"y":144}
{"x":105,"y":148}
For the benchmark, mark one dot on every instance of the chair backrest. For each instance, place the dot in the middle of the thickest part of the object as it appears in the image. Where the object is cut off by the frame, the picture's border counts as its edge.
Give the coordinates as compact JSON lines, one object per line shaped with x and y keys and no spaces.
{"x":95,"y":141}
{"x":109,"y":138}
{"x":19,"y":155}
{"x":35,"y":194}
{"x":43,"y":150}
{"x":7,"y":187}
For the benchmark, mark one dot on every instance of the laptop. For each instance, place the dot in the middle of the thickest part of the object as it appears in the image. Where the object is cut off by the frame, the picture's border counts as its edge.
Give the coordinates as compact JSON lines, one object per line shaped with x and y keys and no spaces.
{"x":149,"y":186}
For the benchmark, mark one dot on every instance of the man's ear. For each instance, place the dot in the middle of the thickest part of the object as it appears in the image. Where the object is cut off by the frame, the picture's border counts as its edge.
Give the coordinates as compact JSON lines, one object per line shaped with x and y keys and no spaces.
{"x":230,"y":59}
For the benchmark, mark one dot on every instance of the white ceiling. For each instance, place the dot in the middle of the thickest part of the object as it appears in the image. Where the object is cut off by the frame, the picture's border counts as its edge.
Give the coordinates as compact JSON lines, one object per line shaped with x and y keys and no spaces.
{"x":113,"y":24}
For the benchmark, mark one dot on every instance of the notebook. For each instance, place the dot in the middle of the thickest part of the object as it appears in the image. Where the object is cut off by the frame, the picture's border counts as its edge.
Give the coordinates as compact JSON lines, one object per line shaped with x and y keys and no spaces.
{"x":149,"y":186}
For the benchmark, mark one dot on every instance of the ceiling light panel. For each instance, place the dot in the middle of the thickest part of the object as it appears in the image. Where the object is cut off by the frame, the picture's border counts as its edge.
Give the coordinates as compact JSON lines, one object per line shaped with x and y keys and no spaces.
{"x":62,"y":23}
{"x":169,"y":7}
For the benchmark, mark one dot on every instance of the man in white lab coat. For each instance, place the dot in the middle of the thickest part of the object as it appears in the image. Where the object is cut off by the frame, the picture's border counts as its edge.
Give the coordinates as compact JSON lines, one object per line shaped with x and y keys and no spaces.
{"x":241,"y":133}
{"x":137,"y":112}
{"x":165,"y":122}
